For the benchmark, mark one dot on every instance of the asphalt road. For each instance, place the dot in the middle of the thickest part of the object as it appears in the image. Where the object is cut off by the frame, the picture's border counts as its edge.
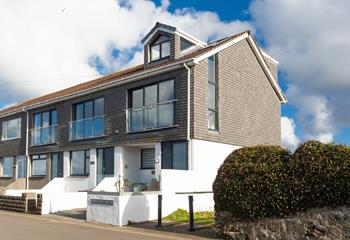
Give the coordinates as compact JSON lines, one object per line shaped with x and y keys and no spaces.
{"x":14,"y":226}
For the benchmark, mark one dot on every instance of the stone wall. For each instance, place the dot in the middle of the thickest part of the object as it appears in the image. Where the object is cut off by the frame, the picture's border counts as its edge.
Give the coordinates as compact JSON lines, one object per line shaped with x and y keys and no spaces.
{"x":325,"y":224}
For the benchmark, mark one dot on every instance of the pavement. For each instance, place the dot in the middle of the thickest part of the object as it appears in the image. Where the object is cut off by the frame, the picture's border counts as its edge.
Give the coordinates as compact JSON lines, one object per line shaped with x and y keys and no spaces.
{"x":14,"y":226}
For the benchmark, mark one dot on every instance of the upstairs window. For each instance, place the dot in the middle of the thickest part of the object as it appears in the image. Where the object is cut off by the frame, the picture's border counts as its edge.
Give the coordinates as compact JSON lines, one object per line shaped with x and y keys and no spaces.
{"x":160,"y":48}
{"x":184,"y":44}
{"x":44,"y":131}
{"x":212,"y":94}
{"x":11,"y":129}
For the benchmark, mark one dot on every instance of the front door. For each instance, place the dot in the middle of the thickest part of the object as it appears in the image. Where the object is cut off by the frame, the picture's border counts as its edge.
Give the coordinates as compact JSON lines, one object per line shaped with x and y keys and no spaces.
{"x":21,"y":166}
{"x":56,"y":165}
{"x":105,"y":163}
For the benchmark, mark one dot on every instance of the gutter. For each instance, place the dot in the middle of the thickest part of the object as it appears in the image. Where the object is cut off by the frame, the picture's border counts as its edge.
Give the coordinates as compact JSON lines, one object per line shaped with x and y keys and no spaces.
{"x":189,"y":152}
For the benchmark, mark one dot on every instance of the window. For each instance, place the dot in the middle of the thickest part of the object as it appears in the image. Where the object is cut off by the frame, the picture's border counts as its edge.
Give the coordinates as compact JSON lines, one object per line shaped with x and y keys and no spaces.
{"x":148,"y":157}
{"x":152,"y":106}
{"x":184,"y":44}
{"x":88,"y":119}
{"x":160,"y":48}
{"x":56,"y":165}
{"x":6,"y":165}
{"x":44,"y":131}
{"x":105,"y":163}
{"x":39,"y":165}
{"x":212,"y":94}
{"x":11,"y":129}
{"x":174,"y":155}
{"x":21,"y":166}
{"x":80,"y":163}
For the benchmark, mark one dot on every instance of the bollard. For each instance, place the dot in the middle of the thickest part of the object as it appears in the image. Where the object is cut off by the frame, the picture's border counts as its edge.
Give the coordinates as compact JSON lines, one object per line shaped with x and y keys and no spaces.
{"x":160,"y":198}
{"x":190,"y":202}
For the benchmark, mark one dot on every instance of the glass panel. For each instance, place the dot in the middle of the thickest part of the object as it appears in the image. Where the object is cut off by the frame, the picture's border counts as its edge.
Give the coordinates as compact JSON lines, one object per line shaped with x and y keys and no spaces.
{"x":155,"y":52}
{"x":151,"y":117}
{"x":99,"y":126}
{"x":37,"y":120}
{"x":45,"y":135}
{"x":151,"y":96}
{"x":211,"y":69}
{"x":136,"y":119}
{"x":78,"y":163}
{"x":39,"y":167}
{"x":4,"y":126}
{"x":109,"y":162}
{"x":45,"y":119}
{"x":87,"y":161}
{"x":162,"y":38}
{"x":79,"y":111}
{"x":99,"y":165}
{"x":180,"y":155}
{"x":137,"y":98}
{"x":166,"y":155}
{"x":53,"y":117}
{"x":166,"y":91}
{"x":88,"y":109}
{"x":99,"y":107}
{"x":88,"y":125}
{"x":211,"y":120}
{"x":184,"y":44}
{"x":7,"y":166}
{"x":212,"y":96}
{"x":166,"y":115}
{"x":54,"y":166}
{"x":13,"y":128}
{"x":165,"y":49}
{"x":21,"y":166}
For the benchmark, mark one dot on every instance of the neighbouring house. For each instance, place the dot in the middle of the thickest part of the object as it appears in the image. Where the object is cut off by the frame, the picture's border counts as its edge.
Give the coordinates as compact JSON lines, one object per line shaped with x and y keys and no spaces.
{"x":162,"y":127}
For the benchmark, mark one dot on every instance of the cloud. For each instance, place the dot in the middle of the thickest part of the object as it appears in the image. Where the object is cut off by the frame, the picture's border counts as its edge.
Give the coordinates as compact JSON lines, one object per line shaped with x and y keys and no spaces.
{"x":49,"y":45}
{"x":289,"y":138}
{"x":312,"y":41}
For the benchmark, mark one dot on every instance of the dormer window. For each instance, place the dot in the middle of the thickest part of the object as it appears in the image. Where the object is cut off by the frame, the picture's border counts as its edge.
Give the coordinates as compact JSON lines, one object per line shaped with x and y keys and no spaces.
{"x":185,"y":45}
{"x":160,"y":48}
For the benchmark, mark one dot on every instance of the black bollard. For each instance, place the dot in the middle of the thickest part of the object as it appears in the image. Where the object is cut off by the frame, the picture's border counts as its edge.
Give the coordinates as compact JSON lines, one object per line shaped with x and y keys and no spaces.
{"x":190,"y":202}
{"x":160,"y":198}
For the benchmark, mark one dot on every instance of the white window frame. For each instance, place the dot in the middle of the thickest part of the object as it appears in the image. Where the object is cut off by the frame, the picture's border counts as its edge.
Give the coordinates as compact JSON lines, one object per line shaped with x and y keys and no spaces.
{"x":4,"y":129}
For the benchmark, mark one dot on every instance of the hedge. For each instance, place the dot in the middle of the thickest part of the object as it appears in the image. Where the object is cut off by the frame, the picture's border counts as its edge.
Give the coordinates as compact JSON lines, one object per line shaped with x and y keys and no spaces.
{"x":267,"y":181}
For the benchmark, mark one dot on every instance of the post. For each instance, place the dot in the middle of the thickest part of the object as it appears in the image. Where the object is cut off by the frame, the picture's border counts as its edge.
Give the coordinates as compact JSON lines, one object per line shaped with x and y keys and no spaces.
{"x":160,"y":198}
{"x":190,"y":202}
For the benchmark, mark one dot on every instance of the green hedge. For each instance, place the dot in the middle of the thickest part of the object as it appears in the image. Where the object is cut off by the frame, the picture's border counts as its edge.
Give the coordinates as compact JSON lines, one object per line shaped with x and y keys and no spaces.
{"x":266,"y":181}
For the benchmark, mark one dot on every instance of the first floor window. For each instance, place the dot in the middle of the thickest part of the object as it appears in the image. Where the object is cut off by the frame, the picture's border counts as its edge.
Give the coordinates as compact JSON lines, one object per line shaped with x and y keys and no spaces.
{"x":11,"y":129}
{"x":148,"y":158}
{"x":174,"y":155}
{"x":6,"y":165}
{"x":39,"y":165}
{"x":212,"y":94}
{"x":80,"y":163}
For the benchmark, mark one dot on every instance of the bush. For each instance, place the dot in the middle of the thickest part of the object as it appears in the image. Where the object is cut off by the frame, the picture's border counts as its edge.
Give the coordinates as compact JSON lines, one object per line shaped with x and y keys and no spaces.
{"x":266,"y":181}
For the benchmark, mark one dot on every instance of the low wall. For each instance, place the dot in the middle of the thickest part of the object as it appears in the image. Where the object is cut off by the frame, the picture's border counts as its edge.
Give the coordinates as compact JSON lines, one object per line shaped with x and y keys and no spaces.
{"x":314,"y":224}
{"x":55,"y":202}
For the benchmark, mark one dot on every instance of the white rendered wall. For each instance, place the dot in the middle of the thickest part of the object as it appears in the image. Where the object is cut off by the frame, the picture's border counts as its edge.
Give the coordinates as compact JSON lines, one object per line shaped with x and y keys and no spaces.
{"x":55,"y":202}
{"x":93,"y":168}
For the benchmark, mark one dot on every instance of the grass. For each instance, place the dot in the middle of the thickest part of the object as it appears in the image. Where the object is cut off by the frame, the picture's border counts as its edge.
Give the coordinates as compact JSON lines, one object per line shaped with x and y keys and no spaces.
{"x":200,"y":218}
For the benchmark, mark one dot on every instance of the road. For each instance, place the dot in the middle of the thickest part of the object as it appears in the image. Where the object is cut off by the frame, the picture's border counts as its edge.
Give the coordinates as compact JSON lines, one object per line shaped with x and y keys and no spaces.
{"x":14,"y":226}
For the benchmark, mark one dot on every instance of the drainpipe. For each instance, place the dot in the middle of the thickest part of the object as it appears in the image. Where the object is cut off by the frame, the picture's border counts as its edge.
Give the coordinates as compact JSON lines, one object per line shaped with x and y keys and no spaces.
{"x":189,"y":152}
{"x":27,"y":148}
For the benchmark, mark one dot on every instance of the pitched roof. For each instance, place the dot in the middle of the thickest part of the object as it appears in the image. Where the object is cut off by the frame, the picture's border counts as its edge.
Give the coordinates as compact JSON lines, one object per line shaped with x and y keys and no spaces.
{"x":114,"y":77}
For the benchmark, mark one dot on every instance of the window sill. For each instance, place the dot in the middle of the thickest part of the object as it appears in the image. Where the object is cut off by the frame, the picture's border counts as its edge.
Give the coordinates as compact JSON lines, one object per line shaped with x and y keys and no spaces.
{"x":38,"y":176}
{"x":79,"y":176}
{"x":213,"y":132}
{"x":10,"y":139}
{"x":90,"y":138}
{"x":153,"y":129}
{"x":41,"y":145}
{"x":159,"y":59}
{"x":6,"y":177}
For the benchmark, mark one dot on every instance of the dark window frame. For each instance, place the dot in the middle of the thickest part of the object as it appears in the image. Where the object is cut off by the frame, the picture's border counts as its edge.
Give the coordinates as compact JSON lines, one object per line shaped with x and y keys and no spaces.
{"x":142,"y":160}
{"x":160,"y":44}
{"x":172,"y":157}
{"x":85,"y":174}
{"x":41,"y":117}
{"x":59,"y":155}
{"x":216,"y":84}
{"x":74,"y":107}
{"x":190,"y":44}
{"x":32,"y":165}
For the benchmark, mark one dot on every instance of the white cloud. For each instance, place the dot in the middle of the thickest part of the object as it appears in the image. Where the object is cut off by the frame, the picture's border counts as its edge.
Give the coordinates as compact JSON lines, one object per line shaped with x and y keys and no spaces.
{"x":49,"y":45}
{"x":312,"y":41}
{"x":289,"y":139}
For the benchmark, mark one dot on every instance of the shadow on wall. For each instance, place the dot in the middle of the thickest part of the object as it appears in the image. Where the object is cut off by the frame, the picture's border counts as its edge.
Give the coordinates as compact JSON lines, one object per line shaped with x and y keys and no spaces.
{"x":137,"y":208}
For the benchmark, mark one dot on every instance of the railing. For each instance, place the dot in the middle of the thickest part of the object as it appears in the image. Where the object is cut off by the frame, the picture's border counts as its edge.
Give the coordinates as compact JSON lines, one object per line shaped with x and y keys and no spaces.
{"x":86,"y":128}
{"x":150,"y":117}
{"x":44,"y":135}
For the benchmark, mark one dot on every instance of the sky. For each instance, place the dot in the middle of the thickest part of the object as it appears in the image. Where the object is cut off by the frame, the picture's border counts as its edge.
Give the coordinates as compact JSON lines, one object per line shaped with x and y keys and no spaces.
{"x":49,"y":45}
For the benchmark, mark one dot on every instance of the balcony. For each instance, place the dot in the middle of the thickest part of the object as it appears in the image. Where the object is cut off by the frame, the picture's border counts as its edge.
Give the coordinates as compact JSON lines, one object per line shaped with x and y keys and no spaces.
{"x":151,"y":117}
{"x":44,"y":135}
{"x":87,"y":128}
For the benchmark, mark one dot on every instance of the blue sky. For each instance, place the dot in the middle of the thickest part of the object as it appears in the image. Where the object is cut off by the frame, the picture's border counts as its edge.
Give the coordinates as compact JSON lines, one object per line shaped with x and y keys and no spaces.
{"x":47,"y":49}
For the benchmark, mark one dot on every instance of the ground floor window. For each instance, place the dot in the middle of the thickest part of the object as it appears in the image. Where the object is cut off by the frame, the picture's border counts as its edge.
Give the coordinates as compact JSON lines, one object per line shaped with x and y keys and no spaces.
{"x":105,"y":163}
{"x":80,"y":163}
{"x":56,"y":165}
{"x":6,"y":165}
{"x":174,"y":155}
{"x":39,"y":165}
{"x":21,"y":166}
{"x":148,"y":158}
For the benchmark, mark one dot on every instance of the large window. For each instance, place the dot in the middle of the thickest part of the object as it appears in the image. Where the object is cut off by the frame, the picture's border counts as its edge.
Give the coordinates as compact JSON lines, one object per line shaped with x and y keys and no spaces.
{"x":152,"y":106}
{"x":148,"y":158}
{"x":80,"y":163}
{"x":44,"y":131}
{"x":88,"y":119}
{"x":21,"y":166}
{"x":11,"y":129}
{"x":160,"y":48}
{"x":6,"y":165}
{"x":39,"y":165}
{"x":174,"y":155}
{"x":212,"y":94}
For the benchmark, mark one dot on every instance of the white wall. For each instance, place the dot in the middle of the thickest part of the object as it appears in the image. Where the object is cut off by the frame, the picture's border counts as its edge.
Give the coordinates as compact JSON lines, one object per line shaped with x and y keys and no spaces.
{"x":55,"y":202}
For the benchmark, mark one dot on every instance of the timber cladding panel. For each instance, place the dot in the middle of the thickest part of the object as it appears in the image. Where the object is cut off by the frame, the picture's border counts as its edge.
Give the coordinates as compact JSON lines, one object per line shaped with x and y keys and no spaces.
{"x":115,"y":117}
{"x":249,"y":109}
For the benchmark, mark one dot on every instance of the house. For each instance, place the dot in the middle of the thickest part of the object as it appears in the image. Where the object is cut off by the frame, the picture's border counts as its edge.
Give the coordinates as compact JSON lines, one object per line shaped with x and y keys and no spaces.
{"x":163,"y":127}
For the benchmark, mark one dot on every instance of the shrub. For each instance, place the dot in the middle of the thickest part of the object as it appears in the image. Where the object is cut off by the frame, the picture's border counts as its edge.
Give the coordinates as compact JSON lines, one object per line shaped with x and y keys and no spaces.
{"x":267,"y":181}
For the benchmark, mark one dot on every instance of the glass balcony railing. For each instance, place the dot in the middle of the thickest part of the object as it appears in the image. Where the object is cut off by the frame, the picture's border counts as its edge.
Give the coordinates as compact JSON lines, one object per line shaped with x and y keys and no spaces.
{"x":87,"y":128}
{"x":44,"y":135}
{"x":150,"y":117}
